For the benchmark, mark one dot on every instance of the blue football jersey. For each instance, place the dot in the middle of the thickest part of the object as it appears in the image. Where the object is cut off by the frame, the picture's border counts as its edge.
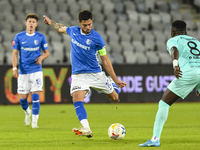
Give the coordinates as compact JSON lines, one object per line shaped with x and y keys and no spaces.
{"x":84,"y":50}
{"x":29,"y":46}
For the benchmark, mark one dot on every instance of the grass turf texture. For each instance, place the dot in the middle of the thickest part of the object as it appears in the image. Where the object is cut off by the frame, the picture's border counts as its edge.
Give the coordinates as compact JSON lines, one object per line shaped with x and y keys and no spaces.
{"x":181,"y":131}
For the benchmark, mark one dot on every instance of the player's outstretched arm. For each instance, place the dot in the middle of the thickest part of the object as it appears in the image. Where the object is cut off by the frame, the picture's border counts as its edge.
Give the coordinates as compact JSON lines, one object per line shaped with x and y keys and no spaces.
{"x":109,"y":68}
{"x":57,"y":26}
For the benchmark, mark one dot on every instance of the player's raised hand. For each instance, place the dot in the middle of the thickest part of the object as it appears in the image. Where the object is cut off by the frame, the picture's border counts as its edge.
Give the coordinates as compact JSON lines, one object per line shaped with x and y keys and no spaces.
{"x":47,"y":20}
{"x":177,"y":72}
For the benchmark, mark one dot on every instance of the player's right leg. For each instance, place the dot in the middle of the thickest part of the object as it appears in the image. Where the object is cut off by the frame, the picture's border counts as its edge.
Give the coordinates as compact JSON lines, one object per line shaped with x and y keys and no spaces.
{"x":23,"y":90}
{"x":81,"y":113}
{"x":25,"y":106}
{"x":36,"y":109}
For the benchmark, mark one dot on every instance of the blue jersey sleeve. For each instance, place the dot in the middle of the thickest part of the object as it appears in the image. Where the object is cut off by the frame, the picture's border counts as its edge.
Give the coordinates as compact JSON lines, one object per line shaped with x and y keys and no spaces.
{"x":171,"y":43}
{"x":44,"y":43}
{"x":15,"y":43}
{"x":101,"y":43}
{"x":69,"y":30}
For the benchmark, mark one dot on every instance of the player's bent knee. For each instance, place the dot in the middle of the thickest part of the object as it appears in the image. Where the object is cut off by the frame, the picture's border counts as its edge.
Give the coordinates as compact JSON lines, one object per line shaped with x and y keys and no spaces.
{"x":114,"y":96}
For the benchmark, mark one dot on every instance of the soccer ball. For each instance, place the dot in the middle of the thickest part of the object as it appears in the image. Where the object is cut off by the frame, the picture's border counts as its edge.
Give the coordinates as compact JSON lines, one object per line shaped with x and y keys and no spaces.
{"x":116,"y":131}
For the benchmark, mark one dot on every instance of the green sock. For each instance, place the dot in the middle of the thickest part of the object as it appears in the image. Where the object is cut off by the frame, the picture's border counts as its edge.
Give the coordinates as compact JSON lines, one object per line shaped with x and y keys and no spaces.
{"x":161,"y":117}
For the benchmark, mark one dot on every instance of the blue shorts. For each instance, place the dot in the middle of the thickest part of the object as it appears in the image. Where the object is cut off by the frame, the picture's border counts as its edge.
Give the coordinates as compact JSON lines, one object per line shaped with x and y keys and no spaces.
{"x":183,"y":86}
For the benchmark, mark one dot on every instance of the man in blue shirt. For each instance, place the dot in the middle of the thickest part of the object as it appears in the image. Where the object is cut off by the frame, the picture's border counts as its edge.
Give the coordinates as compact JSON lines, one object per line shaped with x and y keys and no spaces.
{"x":86,"y":44}
{"x":185,"y":52}
{"x":30,"y":77}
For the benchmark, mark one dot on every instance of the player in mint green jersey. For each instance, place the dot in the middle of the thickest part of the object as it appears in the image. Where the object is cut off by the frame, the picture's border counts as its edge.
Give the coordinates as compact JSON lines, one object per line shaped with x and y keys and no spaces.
{"x":86,"y":44}
{"x":185,"y":52}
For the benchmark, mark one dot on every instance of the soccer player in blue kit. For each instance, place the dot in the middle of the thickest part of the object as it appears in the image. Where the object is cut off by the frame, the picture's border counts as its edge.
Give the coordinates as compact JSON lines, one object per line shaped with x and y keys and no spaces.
{"x":86,"y":43}
{"x":185,"y":52}
{"x":30,"y":76}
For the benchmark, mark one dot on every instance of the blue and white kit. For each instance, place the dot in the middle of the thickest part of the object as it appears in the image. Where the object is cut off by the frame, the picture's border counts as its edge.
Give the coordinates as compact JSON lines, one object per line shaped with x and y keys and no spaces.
{"x":30,"y":74}
{"x":86,"y":70}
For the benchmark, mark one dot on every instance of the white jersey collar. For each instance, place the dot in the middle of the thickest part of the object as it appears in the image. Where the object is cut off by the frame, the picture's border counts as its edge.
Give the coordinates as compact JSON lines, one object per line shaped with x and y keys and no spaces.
{"x":30,"y":34}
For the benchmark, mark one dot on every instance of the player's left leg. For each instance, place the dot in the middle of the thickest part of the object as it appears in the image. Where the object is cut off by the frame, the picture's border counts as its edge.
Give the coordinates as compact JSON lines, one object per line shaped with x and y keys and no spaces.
{"x":36,"y":88}
{"x":35,"y":109}
{"x":163,"y":109}
{"x":114,"y":96}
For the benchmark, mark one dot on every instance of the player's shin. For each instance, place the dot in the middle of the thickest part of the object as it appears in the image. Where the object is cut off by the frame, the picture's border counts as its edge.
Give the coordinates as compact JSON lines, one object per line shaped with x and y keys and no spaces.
{"x":35,"y":107}
{"x":81,"y":114}
{"x":25,"y":105}
{"x":161,"y":117}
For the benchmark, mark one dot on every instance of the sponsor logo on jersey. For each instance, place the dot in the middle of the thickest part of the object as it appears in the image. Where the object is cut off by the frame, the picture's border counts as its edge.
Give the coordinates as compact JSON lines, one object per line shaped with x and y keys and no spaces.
{"x":76,"y":87}
{"x":36,"y":42}
{"x":80,"y":45}
{"x":30,"y":49}
{"x":23,"y":42}
{"x":88,"y":42}
{"x":13,"y":43}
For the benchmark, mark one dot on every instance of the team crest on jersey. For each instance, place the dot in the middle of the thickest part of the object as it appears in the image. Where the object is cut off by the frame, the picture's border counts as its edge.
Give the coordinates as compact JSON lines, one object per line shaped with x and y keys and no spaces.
{"x":36,"y":42}
{"x":88,"y":42}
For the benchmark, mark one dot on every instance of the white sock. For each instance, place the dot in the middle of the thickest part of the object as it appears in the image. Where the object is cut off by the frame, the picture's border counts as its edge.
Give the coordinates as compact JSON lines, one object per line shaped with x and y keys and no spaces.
{"x":85,"y":123}
{"x":35,"y":118}
{"x":28,"y":110}
{"x":154,"y":138}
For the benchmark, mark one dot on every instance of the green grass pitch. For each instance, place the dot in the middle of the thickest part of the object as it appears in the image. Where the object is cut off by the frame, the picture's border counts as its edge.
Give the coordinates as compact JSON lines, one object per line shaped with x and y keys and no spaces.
{"x":181,"y":131}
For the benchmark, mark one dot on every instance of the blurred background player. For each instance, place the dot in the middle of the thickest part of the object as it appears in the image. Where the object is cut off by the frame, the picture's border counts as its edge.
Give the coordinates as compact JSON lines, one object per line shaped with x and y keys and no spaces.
{"x":30,"y":77}
{"x":86,"y":70}
{"x":185,"y":52}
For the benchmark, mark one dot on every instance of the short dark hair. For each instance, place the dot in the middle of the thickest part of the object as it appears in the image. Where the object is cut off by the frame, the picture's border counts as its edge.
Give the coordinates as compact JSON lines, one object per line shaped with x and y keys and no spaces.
{"x":84,"y":15}
{"x":32,"y":15}
{"x":179,"y":25}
